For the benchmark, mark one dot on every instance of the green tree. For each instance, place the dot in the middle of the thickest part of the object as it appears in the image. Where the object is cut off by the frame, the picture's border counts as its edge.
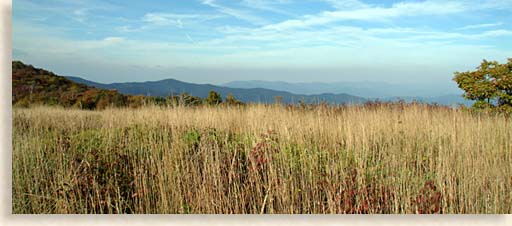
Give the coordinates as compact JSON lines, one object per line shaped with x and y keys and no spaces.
{"x":490,"y":85}
{"x":213,"y":98}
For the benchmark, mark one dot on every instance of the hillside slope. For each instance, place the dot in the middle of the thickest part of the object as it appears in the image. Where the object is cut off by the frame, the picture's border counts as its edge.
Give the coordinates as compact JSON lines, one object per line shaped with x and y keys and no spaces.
{"x":32,"y":85}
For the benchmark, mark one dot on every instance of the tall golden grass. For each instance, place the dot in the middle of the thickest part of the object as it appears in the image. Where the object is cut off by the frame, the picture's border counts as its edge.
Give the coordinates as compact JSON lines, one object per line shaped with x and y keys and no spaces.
{"x":261,"y":159}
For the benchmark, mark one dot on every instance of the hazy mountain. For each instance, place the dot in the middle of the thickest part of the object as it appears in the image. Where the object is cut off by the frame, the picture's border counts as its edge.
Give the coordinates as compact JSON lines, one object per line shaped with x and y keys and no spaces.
{"x":367,"y":89}
{"x":370,"y":90}
{"x":255,"y":95}
{"x":448,"y":100}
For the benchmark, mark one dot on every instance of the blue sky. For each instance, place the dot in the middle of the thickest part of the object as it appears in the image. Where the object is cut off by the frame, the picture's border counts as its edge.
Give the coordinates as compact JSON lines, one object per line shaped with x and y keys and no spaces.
{"x":216,"y":41}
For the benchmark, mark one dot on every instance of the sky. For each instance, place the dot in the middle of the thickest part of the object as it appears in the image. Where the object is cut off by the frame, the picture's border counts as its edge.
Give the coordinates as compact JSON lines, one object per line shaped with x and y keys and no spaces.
{"x":217,"y":41}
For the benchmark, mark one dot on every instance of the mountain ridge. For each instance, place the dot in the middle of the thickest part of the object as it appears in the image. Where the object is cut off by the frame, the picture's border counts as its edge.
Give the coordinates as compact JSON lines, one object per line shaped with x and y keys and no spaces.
{"x":171,"y":86}
{"x":366,"y":89}
{"x":371,"y":90}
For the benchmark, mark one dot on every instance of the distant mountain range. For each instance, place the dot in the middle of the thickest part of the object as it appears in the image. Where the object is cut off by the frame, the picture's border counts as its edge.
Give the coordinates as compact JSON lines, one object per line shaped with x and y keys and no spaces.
{"x":34,"y":85}
{"x":365,"y":89}
{"x":255,"y":95}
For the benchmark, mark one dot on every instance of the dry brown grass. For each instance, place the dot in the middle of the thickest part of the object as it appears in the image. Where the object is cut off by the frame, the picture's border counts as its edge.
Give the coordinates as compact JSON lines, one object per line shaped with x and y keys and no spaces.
{"x":261,"y":159}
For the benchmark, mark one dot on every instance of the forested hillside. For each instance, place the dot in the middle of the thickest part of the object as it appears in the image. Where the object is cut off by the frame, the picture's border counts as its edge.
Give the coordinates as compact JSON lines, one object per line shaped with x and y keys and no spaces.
{"x":35,"y":86}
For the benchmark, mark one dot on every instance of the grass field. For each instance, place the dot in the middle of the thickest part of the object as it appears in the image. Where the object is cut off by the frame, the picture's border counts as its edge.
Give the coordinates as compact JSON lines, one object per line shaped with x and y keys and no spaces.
{"x":261,"y":159}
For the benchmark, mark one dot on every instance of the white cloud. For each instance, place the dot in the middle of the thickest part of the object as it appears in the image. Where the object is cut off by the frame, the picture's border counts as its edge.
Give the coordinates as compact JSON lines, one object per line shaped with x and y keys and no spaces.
{"x":78,"y":10}
{"x":364,"y":12}
{"x":415,"y":36}
{"x":80,"y":15}
{"x":160,"y":19}
{"x":113,"y":40}
{"x":478,"y":26}
{"x":237,"y":13}
{"x":163,"y":19}
{"x":494,"y":33}
{"x":350,"y":37}
{"x":347,"y":4}
{"x":275,"y":6}
{"x":494,"y":4}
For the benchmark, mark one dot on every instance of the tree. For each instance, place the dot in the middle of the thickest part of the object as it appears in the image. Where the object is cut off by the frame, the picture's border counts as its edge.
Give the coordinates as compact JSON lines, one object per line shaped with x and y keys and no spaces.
{"x":231,"y":100}
{"x":213,"y":98}
{"x":185,"y":99}
{"x":490,"y":85}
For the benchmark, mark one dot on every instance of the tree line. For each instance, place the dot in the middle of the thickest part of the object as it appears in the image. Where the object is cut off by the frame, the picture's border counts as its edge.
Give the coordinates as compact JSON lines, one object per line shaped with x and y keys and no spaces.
{"x":185,"y":99}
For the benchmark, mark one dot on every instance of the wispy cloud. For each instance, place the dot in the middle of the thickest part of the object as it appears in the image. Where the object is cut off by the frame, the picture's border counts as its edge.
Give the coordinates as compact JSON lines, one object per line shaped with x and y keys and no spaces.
{"x":493,"y":4}
{"x":478,"y":26}
{"x":111,"y":40}
{"x":347,"y":4}
{"x":190,"y":38}
{"x":366,"y":13}
{"x":275,"y":6}
{"x":80,"y":14}
{"x":75,"y":11}
{"x":159,"y":19}
{"x":351,"y":36}
{"x":494,"y":33}
{"x":237,"y":13}
{"x":163,"y":19}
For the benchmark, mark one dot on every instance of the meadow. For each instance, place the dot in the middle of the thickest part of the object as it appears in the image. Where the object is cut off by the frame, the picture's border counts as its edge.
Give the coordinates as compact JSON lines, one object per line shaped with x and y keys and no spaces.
{"x":255,"y":159}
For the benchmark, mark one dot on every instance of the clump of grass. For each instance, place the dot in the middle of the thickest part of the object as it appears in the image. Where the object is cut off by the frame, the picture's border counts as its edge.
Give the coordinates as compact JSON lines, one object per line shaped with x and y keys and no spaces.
{"x":261,"y":159}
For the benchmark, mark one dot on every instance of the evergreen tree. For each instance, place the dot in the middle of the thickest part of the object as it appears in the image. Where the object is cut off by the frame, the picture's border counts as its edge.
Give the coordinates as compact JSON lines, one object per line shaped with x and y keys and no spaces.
{"x":213,"y":98}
